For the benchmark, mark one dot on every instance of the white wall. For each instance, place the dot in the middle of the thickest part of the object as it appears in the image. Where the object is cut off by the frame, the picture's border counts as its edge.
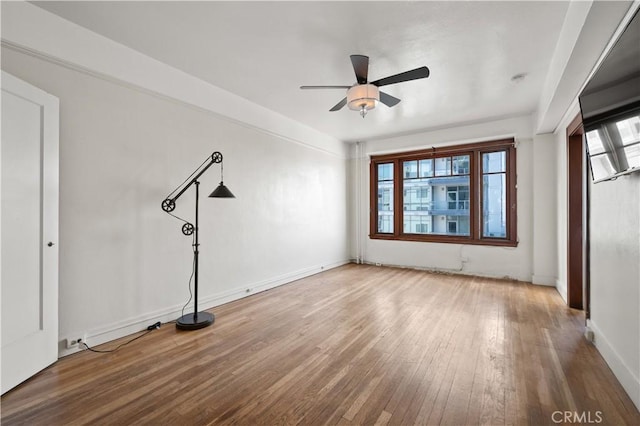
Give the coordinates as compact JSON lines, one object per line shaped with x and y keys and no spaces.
{"x":562,"y":197}
{"x":123,"y":262}
{"x":512,"y":262}
{"x":544,"y":251}
{"x":614,"y":226}
{"x":26,"y":26}
{"x":132,"y":129}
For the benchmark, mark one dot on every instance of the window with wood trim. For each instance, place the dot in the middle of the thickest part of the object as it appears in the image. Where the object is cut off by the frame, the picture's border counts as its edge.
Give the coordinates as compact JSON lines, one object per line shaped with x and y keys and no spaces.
{"x":463,"y":194}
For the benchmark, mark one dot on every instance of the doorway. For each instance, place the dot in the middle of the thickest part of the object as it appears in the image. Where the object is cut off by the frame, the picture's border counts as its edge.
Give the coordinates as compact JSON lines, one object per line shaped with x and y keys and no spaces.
{"x":576,"y":236}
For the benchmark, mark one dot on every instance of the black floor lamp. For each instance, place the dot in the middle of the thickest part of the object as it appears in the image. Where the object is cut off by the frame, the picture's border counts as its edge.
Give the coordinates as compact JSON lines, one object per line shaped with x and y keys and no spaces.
{"x":196,"y":319}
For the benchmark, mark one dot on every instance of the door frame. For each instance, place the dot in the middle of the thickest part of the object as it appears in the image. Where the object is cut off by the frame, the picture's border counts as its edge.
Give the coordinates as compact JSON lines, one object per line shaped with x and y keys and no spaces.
{"x":577,"y":278}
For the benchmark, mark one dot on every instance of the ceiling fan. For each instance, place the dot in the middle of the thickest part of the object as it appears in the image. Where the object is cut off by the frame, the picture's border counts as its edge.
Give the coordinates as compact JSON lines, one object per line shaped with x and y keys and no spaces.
{"x":364,"y":95}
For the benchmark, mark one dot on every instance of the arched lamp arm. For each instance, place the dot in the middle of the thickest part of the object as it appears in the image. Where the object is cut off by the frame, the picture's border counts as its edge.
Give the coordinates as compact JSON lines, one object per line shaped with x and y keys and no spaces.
{"x":169,"y":204}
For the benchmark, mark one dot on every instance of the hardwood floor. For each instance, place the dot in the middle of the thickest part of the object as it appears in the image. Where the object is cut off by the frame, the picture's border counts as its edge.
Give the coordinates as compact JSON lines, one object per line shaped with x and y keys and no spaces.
{"x":354,"y":345}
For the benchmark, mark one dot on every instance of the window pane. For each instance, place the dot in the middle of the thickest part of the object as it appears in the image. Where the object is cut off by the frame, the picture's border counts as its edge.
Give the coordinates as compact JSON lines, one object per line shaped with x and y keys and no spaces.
{"x":443,"y":166}
{"x":417,"y":196}
{"x":430,"y":205}
{"x":385,"y":223}
{"x":463,"y":193}
{"x":426,"y":168}
{"x":461,"y":165}
{"x":601,"y":167}
{"x":494,"y":162}
{"x":385,"y":198}
{"x":385,"y":171}
{"x":629,"y":130}
{"x":417,"y":224}
{"x":410,"y":169}
{"x":633,"y":155}
{"x":494,"y":206}
{"x":463,"y":225}
{"x":594,"y":142}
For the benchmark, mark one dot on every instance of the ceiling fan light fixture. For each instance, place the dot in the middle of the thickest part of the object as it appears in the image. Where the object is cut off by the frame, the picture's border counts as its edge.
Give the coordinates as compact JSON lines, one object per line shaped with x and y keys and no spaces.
{"x":363,"y":97}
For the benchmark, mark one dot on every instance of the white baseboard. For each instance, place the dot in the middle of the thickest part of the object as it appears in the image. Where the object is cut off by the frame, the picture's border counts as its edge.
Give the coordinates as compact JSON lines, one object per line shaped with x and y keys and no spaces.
{"x":132,"y":325}
{"x":561,"y":286}
{"x":445,"y":271}
{"x":253,"y":288}
{"x":625,"y":376}
{"x":547,"y":280}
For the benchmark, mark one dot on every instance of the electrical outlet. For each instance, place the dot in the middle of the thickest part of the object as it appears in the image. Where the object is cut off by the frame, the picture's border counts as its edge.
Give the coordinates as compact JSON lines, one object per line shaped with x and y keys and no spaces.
{"x":74,"y":342}
{"x":588,"y":334}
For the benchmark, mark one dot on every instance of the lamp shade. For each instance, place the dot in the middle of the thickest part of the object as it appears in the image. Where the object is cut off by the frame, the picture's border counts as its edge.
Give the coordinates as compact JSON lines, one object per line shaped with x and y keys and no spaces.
{"x":363,"y":96}
{"x":221,"y":192}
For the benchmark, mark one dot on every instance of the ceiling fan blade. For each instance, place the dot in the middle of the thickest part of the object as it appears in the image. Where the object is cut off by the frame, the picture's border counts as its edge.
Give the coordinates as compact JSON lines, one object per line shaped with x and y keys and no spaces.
{"x":339,"y":105}
{"x":422,"y":72}
{"x":324,"y":87}
{"x":388,"y":100}
{"x":360,"y":67}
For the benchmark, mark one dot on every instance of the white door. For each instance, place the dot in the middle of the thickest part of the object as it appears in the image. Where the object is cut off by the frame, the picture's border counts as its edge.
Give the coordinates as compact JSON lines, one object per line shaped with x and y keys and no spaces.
{"x":29,"y":231}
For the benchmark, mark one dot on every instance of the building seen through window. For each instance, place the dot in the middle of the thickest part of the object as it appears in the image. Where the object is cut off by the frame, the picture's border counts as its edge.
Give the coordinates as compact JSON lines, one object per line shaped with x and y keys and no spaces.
{"x":436,"y":196}
{"x":451,"y":194}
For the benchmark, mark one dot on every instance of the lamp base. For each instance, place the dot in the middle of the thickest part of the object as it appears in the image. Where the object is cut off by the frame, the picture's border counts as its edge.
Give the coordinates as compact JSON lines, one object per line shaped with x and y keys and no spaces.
{"x":194,"y":321}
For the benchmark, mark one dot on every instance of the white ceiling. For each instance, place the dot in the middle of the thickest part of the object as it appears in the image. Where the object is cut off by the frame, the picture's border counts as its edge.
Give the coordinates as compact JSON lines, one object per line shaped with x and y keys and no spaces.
{"x":263,"y":51}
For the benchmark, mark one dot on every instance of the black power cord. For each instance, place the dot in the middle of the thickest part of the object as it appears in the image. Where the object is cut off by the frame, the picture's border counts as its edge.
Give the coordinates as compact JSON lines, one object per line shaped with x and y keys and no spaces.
{"x":193,"y":271}
{"x":147,"y":331}
{"x":157,"y":324}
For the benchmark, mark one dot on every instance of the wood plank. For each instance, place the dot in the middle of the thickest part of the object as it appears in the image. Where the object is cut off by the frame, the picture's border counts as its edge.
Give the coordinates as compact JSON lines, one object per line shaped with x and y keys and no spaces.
{"x":356,"y":345}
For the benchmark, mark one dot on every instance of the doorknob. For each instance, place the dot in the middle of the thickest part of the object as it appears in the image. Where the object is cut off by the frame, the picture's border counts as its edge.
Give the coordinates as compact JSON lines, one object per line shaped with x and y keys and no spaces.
{"x":50,"y":244}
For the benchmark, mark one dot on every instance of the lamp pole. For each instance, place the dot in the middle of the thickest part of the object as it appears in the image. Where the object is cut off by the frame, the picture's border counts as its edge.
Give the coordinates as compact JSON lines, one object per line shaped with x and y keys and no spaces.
{"x":196,"y":319}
